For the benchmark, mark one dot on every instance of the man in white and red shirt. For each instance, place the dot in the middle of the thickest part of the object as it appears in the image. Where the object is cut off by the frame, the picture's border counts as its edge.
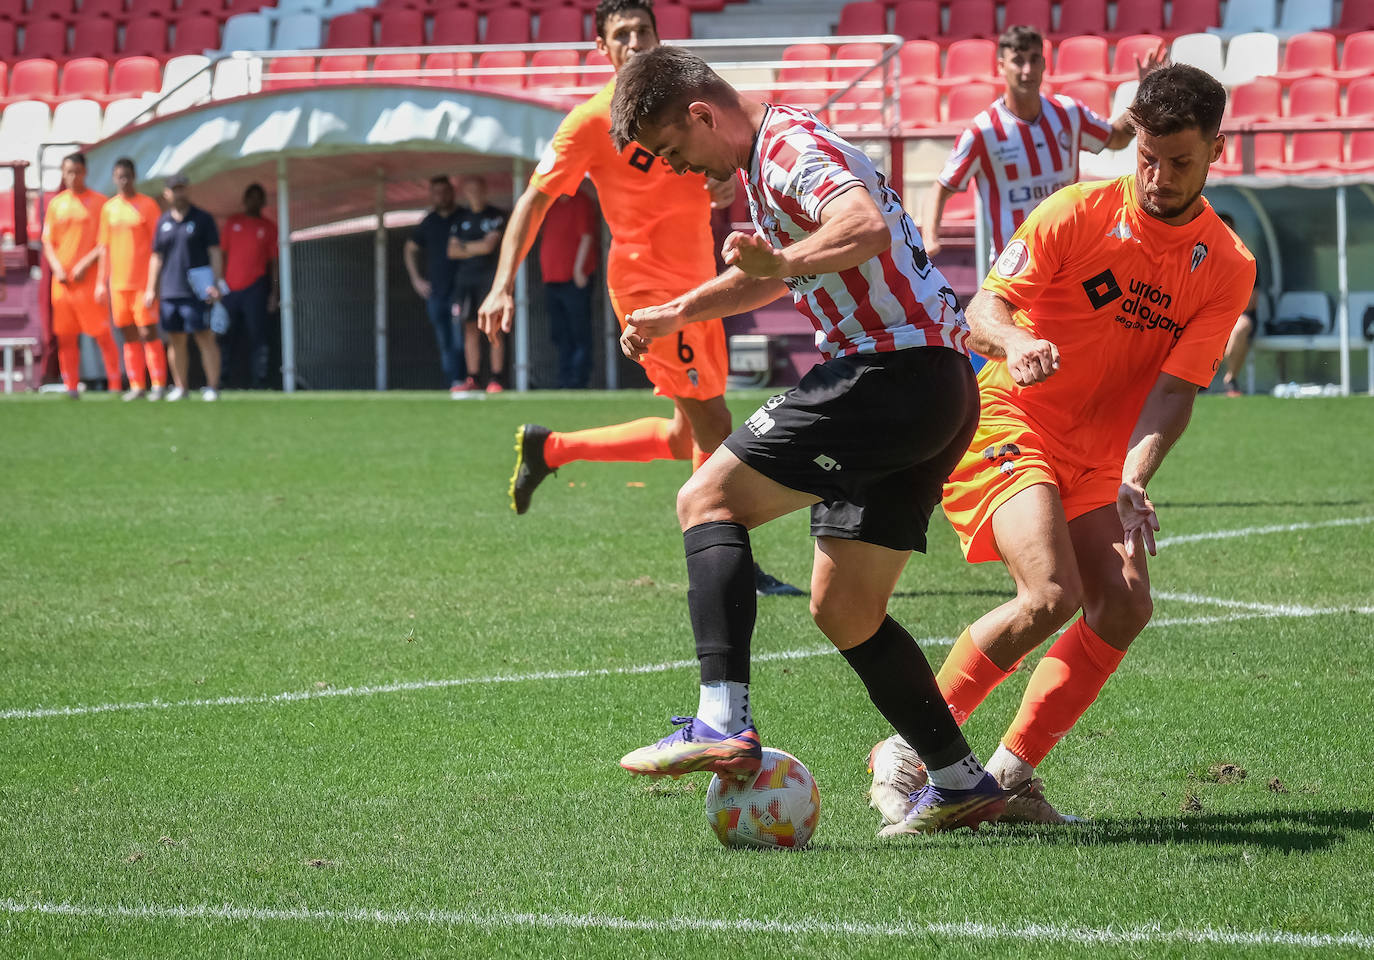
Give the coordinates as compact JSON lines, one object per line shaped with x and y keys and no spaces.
{"x":250,"y":271}
{"x":1024,"y":146}
{"x":866,"y":439}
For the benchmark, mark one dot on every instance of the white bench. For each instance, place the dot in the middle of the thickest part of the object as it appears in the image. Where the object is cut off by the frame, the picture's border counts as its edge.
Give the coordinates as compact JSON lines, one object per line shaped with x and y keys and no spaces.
{"x":9,"y":345}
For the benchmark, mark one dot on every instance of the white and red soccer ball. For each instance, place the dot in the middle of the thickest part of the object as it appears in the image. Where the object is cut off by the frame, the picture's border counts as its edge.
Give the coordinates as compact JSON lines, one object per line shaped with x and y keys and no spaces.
{"x":775,"y":808}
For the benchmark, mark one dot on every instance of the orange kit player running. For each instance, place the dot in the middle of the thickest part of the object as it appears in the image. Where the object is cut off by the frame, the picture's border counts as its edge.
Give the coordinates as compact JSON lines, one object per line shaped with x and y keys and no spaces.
{"x":127,"y":223}
{"x":661,"y":247}
{"x":70,"y":226}
{"x":1107,"y":311}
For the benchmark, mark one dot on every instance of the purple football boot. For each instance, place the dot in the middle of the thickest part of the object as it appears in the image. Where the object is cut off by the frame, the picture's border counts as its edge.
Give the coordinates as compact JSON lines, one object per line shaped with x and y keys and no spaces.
{"x":695,"y":746}
{"x":938,"y":809}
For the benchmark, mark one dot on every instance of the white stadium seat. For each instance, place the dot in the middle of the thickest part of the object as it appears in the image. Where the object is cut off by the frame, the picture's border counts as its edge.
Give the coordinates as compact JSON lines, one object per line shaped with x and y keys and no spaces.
{"x":185,"y":83}
{"x":1250,"y":55}
{"x":75,"y":121}
{"x":23,"y":126}
{"x":121,"y":113}
{"x":1305,"y":305}
{"x":1201,"y":50}
{"x":235,"y":78}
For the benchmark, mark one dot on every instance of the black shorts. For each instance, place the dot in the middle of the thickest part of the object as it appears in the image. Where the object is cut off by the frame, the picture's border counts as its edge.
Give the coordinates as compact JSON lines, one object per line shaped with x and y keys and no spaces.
{"x":468,"y":294}
{"x":875,"y":436}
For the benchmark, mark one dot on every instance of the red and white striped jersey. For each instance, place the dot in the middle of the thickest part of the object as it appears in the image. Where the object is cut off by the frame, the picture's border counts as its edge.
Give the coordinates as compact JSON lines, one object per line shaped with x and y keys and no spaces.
{"x":893,"y":301}
{"x":1018,"y":164}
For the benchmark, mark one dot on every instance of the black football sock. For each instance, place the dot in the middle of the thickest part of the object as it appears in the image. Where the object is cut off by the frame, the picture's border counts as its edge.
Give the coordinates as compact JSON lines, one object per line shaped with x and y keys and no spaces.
{"x":721,"y":598}
{"x":902,"y":686}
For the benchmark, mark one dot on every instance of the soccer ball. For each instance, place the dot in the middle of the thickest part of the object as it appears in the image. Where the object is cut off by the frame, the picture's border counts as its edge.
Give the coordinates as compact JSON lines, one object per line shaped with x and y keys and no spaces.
{"x":775,"y":808}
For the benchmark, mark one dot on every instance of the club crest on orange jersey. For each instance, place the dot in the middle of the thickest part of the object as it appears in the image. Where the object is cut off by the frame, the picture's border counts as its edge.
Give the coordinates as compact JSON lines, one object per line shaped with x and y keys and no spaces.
{"x":1199,"y":254}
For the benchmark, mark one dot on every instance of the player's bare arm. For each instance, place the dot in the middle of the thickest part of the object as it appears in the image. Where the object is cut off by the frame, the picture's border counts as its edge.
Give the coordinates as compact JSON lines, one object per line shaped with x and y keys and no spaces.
{"x":1162,"y":421}
{"x":78,"y":271}
{"x":497,"y":312}
{"x":59,"y":273}
{"x":1123,"y":132}
{"x":730,"y":293}
{"x":852,"y":232}
{"x":995,"y":334}
{"x":932,"y":212}
{"x":154,"y":273}
{"x":217,"y":266}
{"x":102,"y":274}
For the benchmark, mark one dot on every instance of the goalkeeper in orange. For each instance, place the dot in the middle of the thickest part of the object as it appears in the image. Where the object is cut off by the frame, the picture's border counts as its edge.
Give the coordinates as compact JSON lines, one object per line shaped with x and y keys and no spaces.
{"x":1104,"y":315}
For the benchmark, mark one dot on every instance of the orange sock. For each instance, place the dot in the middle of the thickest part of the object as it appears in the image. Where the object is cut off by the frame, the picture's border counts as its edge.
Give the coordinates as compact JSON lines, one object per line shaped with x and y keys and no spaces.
{"x":1061,"y":689}
{"x":638,"y":441}
{"x":114,"y":376}
{"x":156,"y":354}
{"x":69,"y":360}
{"x":133,"y":364}
{"x":967,"y":677}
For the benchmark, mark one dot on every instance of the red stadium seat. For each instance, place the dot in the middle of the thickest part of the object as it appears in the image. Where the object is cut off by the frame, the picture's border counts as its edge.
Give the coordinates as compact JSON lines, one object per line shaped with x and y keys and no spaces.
{"x":1307,"y":55}
{"x":111,"y":9}
{"x":7,"y":40}
{"x":971,"y":18}
{"x":451,"y":62}
{"x":1356,"y":15}
{"x":1139,"y":16}
{"x":146,"y":37}
{"x":801,"y":85}
{"x":1314,"y":98}
{"x":920,"y":104}
{"x":565,"y":25}
{"x":1260,"y":99}
{"x":962,"y":207}
{"x":920,"y":61}
{"x":968,"y":100}
{"x":1359,"y":97}
{"x":135,"y":76}
{"x":343,"y":63}
{"x":454,"y":27}
{"x":1091,"y":93}
{"x":1194,"y":16}
{"x":85,"y":78}
{"x":51,"y":9}
{"x":45,"y":40}
{"x":400,"y":28}
{"x":12,"y":11}
{"x":399,"y":63}
{"x":4,"y":79}
{"x":674,"y":21}
{"x":969,"y":60}
{"x":1032,"y":13}
{"x":917,"y":19}
{"x":1269,"y":154}
{"x":93,"y":37}
{"x":286,"y":65}
{"x":560,"y":65}
{"x":1361,"y":153}
{"x":862,"y":105}
{"x":1129,"y":51}
{"x":194,"y":35}
{"x":352,"y":30}
{"x":513,"y":60}
{"x":1081,"y":58}
{"x":33,"y":80}
{"x":508,"y":26}
{"x":596,"y":70}
{"x":1317,"y":151}
{"x":202,"y":8}
{"x":1081,"y":16}
{"x":1357,"y":56}
{"x":232,"y":7}
{"x":862,"y":18}
{"x":148,"y":8}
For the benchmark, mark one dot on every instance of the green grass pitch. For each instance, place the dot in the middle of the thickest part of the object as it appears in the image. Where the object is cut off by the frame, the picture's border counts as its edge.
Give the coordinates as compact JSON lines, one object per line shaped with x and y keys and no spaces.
{"x":441,"y":778}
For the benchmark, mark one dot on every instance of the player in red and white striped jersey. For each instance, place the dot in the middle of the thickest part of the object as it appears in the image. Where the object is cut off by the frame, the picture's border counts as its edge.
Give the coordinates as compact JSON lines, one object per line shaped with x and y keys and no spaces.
{"x":864,"y":440}
{"x":1024,"y":146}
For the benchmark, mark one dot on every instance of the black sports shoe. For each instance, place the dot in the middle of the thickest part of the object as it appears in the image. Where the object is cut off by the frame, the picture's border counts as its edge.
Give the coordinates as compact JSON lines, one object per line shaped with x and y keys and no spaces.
{"x":766,"y":585}
{"x":530,"y":468}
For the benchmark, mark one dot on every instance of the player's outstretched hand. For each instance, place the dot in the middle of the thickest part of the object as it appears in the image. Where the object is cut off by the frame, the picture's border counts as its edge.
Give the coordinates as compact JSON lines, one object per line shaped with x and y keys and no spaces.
{"x":752,"y":254}
{"x":1032,"y":361}
{"x":1152,"y":61}
{"x":496,"y":313}
{"x":1138,"y":519}
{"x":722,"y":192}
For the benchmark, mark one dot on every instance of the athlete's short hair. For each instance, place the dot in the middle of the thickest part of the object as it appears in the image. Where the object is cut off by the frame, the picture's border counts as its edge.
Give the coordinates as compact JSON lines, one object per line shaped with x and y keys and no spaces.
{"x":654,"y":88}
{"x":440,"y":179}
{"x":127,"y":163}
{"x":609,"y":8}
{"x":78,"y":158}
{"x":1179,"y":97}
{"x":255,"y":188}
{"x":1021,"y":38}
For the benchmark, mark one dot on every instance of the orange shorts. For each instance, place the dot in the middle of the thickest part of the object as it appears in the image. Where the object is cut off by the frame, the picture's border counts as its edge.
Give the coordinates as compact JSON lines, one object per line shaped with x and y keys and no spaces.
{"x":692,"y":364}
{"x":128,"y":309}
{"x":75,"y":310}
{"x":1005,"y":457}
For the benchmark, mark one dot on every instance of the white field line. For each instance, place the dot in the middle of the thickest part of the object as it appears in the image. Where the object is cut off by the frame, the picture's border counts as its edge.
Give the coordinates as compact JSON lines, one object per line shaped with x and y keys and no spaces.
{"x":904,"y":930}
{"x":1256,"y":531}
{"x":1275,"y":609}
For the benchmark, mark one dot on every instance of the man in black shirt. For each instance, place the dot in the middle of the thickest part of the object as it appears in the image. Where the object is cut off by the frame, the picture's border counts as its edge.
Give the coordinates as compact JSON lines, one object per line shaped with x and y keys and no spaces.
{"x":480,"y":226}
{"x":435,"y":234}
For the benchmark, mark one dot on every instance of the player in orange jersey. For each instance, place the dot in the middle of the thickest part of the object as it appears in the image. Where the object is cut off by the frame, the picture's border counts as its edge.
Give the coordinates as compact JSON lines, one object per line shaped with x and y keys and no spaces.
{"x":127,"y":223}
{"x":1104,"y":315}
{"x":661,"y":247}
{"x":70,"y":226}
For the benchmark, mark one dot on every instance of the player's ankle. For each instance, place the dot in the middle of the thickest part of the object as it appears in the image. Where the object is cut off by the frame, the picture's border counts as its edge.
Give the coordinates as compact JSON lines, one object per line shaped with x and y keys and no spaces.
{"x":1007,"y":768}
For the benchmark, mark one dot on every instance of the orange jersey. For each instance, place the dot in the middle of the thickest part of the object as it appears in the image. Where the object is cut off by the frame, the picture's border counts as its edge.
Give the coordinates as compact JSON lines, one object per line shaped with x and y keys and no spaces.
{"x":1124,"y":297}
{"x":660,"y":222}
{"x":71,"y":223}
{"x":126,"y":233}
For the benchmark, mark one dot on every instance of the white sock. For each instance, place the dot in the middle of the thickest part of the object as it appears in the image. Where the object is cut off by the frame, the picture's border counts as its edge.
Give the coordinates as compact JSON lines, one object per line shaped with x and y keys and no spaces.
{"x":724,"y":705}
{"x":961,"y":775}
{"x":1008,"y":768}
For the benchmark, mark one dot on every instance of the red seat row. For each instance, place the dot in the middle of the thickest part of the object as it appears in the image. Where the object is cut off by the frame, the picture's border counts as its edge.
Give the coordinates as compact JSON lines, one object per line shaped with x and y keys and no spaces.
{"x":1311,"y":98}
{"x":394,"y":26}
{"x":15,"y":12}
{"x":1310,"y":152}
{"x":545,"y":68}
{"x":102,"y":37}
{"x":85,"y":78}
{"x":921,"y":19}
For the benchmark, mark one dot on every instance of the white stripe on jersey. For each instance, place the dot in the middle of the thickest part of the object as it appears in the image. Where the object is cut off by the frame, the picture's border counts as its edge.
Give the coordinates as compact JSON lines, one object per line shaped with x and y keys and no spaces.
{"x":1018,"y":164}
{"x":895,"y":300}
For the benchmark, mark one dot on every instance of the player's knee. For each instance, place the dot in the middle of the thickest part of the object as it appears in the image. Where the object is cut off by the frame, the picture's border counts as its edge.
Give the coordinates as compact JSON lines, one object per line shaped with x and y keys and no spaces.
{"x":1050,"y":605}
{"x":1122,"y":613}
{"x":699,"y":501}
{"x":849,"y":621}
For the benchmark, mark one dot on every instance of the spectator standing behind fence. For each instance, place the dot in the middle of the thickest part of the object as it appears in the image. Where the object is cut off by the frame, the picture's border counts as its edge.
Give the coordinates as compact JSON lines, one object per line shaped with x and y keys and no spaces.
{"x":432,"y":236}
{"x":70,"y":229}
{"x":186,"y":269}
{"x":128,"y":221}
{"x":475,"y":250}
{"x":250,"y":272}
{"x":568,"y":255}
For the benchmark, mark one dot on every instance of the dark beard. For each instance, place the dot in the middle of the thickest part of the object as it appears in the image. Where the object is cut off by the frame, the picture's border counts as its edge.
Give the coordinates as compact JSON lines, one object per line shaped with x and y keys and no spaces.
{"x":1167,"y":213}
